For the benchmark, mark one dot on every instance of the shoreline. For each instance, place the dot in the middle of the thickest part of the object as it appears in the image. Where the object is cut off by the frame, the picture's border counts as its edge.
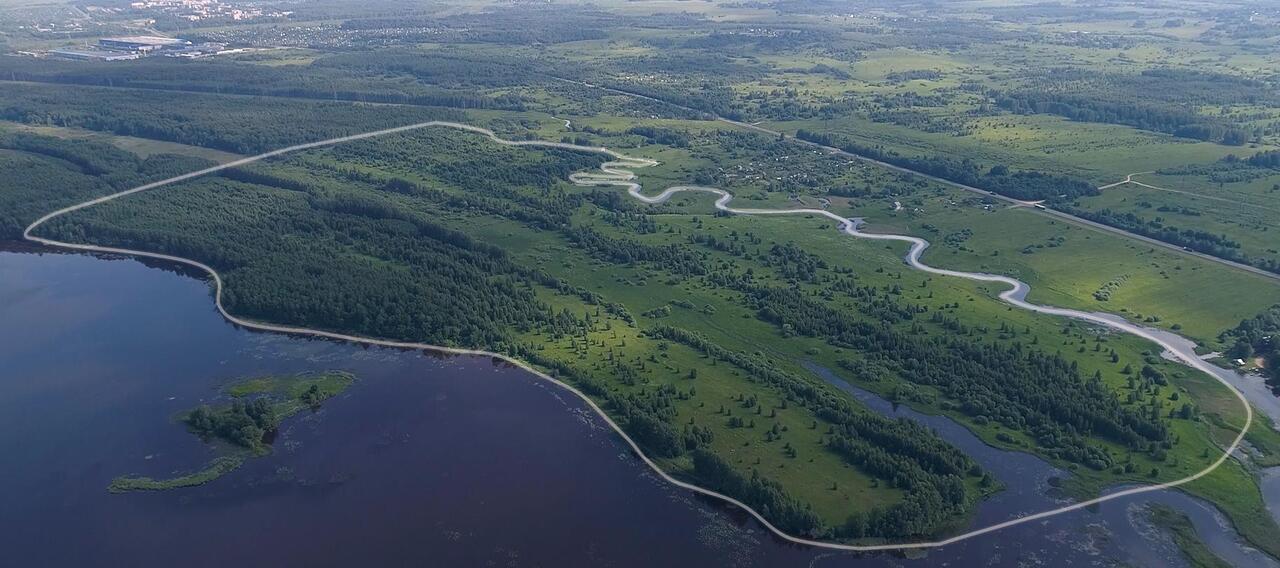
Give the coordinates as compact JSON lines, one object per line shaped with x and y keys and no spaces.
{"x":615,"y":173}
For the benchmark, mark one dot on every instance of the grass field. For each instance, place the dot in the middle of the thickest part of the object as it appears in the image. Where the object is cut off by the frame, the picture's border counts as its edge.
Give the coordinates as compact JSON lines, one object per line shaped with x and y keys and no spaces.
{"x":643,"y":291}
{"x":1071,"y":266}
{"x":1101,"y":153}
{"x":782,"y":439}
{"x":142,"y":147}
{"x":381,"y":237}
{"x":1246,"y":223}
{"x":1065,"y":264}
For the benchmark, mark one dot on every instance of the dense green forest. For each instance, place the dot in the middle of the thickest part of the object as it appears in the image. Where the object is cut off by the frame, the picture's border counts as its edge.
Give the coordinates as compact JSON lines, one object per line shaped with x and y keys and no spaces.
{"x":1258,"y":337}
{"x":338,"y":79}
{"x":43,"y":173}
{"x":1161,"y":99}
{"x":998,"y":178}
{"x":371,"y":239}
{"x":1176,"y":121}
{"x":241,"y":125}
{"x":696,"y":330}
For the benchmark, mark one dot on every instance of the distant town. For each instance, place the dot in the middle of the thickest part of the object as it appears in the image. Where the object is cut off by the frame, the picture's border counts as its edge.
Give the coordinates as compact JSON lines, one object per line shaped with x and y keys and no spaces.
{"x":125,"y":31}
{"x":202,"y":10}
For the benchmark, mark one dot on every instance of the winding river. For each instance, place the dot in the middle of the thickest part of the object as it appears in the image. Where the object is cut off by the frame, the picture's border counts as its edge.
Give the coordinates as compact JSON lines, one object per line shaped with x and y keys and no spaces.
{"x":618,"y":173}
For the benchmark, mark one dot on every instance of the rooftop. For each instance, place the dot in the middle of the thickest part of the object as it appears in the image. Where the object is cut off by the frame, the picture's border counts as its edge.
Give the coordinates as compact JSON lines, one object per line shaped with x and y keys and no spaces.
{"x":89,"y":53}
{"x":156,"y":40}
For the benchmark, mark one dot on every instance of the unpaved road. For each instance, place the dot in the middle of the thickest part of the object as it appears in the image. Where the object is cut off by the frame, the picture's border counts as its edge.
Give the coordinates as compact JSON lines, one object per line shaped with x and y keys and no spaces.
{"x":618,"y":173}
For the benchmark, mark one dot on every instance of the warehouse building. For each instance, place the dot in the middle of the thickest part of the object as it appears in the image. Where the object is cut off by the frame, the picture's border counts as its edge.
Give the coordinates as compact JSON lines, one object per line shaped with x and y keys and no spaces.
{"x":90,"y":54}
{"x":141,"y":44}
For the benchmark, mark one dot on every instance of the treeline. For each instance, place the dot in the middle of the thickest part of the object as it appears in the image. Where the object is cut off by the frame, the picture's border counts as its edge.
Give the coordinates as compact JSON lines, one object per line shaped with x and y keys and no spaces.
{"x":43,"y":173}
{"x":676,"y":258}
{"x":663,"y":136}
{"x":1258,"y":337}
{"x":763,"y":495}
{"x":1229,"y":169}
{"x":1197,"y":240}
{"x":1018,"y":184}
{"x":447,"y":70}
{"x":211,"y":121}
{"x":1162,"y":99}
{"x":647,"y":416}
{"x":923,"y":508}
{"x":709,"y":98}
{"x":1020,"y":388}
{"x":373,"y":83}
{"x":329,"y":262}
{"x":530,"y":24}
{"x":1265,"y":159}
{"x":900,"y":451}
{"x":1178,"y":121}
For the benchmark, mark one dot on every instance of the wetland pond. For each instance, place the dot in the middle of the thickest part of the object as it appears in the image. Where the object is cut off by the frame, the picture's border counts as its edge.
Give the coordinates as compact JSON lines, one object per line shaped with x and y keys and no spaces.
{"x":425,"y":460}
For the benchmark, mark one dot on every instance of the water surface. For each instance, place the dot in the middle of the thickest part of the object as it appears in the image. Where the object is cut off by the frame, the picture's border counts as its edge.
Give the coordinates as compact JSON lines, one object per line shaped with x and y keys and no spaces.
{"x":425,"y":461}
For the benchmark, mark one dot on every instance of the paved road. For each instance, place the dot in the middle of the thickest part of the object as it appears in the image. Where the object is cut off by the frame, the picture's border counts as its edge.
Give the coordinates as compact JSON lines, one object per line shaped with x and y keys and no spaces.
{"x":1015,"y":202}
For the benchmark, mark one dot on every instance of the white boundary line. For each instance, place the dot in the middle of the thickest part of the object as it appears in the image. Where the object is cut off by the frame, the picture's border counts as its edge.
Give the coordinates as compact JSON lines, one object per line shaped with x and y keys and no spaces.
{"x":614,"y":173}
{"x":1129,"y":180}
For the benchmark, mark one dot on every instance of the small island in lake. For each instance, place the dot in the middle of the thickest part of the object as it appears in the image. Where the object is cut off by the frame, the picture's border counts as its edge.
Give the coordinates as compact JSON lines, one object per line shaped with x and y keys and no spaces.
{"x":240,"y":428}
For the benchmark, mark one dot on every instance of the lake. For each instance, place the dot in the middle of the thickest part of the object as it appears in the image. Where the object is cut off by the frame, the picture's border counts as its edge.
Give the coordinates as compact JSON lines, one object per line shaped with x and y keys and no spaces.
{"x":426,"y":460}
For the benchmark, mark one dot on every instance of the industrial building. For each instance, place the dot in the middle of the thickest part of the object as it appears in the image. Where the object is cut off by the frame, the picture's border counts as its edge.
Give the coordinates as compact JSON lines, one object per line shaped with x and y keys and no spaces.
{"x":141,"y":44}
{"x":133,"y":47}
{"x":87,"y":54}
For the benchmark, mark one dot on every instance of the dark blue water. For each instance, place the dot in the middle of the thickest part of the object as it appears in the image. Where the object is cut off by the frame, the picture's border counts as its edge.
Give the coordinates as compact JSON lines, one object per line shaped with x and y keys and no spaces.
{"x":425,"y":461}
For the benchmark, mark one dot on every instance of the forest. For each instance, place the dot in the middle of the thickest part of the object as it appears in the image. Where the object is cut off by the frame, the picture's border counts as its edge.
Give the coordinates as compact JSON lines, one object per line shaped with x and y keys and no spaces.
{"x":691,"y":332}
{"x":201,"y":119}
{"x":998,"y":178}
{"x":372,"y":233}
{"x":1258,"y":338}
{"x":1015,"y":385}
{"x":43,"y":171}
{"x":338,"y":79}
{"x":1162,"y":99}
{"x":898,"y":450}
{"x":1175,"y":120}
